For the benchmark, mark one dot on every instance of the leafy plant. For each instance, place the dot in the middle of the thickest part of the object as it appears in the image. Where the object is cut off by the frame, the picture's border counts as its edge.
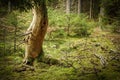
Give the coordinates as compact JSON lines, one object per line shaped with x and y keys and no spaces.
{"x":55,"y":18}
{"x":82,"y":25}
{"x":116,"y":26}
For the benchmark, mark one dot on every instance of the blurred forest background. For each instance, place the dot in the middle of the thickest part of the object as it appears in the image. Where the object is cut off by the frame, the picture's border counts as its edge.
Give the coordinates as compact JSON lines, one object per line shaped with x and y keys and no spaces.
{"x":82,"y":41}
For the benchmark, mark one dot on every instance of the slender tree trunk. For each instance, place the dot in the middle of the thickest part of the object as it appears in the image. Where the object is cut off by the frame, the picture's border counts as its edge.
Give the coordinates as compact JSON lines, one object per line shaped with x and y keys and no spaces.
{"x":15,"y":32}
{"x":91,"y":3}
{"x":38,"y":29}
{"x":79,"y":7}
{"x":102,"y":11}
{"x":93,"y":9}
{"x":9,"y":6}
{"x":101,"y":16}
{"x":68,"y":4}
{"x":4,"y":41}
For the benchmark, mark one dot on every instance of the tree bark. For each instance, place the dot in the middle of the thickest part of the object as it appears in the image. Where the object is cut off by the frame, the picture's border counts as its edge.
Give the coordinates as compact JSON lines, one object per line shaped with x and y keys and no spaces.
{"x":79,"y":7}
{"x":101,"y":15}
{"x":15,"y":40}
{"x":9,"y":6}
{"x":68,"y":6}
{"x":38,"y":27}
{"x":91,"y":4}
{"x":102,"y":11}
{"x":4,"y":37}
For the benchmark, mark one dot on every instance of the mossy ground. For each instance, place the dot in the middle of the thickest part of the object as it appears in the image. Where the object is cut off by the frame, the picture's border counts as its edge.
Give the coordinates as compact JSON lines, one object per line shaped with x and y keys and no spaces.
{"x":96,"y":57}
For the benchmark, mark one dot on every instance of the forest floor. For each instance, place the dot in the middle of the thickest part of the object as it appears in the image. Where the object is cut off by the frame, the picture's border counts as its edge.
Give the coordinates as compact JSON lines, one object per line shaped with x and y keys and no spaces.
{"x":96,"y":57}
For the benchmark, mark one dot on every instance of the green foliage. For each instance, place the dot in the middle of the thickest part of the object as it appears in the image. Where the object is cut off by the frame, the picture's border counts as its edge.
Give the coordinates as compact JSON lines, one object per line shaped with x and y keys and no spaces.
{"x":19,"y":20}
{"x":60,"y":33}
{"x":82,"y":25}
{"x":14,"y":23}
{"x":76,"y":56}
{"x":111,"y":8}
{"x":22,"y":5}
{"x":116,"y":26}
{"x":112,"y":11}
{"x":2,"y":12}
{"x":79,"y":25}
{"x":12,"y":19}
{"x":24,"y":19}
{"x":58,"y":22}
{"x":76,"y":53}
{"x":55,"y":18}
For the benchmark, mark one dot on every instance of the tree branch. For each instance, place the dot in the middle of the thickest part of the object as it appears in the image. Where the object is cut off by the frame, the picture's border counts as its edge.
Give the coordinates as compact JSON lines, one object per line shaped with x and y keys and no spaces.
{"x":26,"y":33}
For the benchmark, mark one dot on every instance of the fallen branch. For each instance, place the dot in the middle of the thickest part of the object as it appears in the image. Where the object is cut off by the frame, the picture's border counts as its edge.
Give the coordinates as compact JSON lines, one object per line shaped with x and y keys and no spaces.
{"x":27,"y":66}
{"x":23,"y":67}
{"x":78,"y":57}
{"x":114,"y":57}
{"x":102,"y":60}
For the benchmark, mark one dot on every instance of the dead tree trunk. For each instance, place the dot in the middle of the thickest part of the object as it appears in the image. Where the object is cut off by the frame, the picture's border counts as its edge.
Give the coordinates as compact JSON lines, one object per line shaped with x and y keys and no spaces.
{"x":38,"y":28}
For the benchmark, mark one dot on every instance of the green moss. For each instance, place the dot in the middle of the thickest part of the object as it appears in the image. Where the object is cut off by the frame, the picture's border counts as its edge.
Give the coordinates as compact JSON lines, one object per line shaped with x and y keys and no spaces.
{"x":66,"y":57}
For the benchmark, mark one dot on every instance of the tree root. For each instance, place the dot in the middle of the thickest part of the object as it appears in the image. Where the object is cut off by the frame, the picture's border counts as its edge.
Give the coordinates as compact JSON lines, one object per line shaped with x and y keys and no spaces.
{"x":24,"y":67}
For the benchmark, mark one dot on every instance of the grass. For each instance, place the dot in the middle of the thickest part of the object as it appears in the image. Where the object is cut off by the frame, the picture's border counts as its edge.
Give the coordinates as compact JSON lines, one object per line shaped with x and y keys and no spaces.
{"x":95,"y":57}
{"x":77,"y":54}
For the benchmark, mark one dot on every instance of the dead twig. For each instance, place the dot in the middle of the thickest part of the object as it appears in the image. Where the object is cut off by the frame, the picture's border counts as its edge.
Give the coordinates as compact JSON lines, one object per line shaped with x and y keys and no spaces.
{"x":25,"y":34}
{"x":27,"y":66}
{"x":114,"y":57}
{"x":102,"y":59}
{"x":24,"y":67}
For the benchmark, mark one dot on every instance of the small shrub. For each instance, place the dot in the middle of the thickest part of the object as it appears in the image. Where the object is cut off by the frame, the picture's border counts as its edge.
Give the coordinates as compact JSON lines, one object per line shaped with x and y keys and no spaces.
{"x":55,"y":18}
{"x":60,"y":33}
{"x":81,"y":25}
{"x":116,"y":27}
{"x":78,"y":25}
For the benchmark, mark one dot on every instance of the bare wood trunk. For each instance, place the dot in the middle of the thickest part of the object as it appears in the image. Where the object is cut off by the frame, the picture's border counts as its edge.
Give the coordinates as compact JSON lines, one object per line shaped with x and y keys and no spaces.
{"x":38,"y":29}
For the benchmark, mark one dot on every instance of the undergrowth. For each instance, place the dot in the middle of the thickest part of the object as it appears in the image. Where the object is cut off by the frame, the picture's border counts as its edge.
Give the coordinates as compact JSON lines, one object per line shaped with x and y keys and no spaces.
{"x":86,"y":54}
